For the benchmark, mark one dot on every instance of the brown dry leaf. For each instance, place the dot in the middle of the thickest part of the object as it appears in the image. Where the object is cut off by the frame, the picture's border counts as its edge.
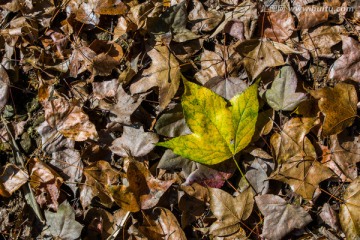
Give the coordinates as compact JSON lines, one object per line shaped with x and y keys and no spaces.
{"x":98,"y":176}
{"x":205,"y":20}
{"x":348,"y":65}
{"x":134,"y":142}
{"x":339,"y":106}
{"x":105,"y":89}
{"x":146,"y":188}
{"x":319,"y":41}
{"x":228,"y":87}
{"x":349,"y":211}
{"x":110,"y":7}
{"x":281,"y":25}
{"x":223,"y":62}
{"x":163,"y":73}
{"x":162,"y":223}
{"x":263,"y":55}
{"x":4,"y":86}
{"x":84,"y":11}
{"x":124,"y":106}
{"x":46,"y":182}
{"x":302,"y":174}
{"x":229,"y":210}
{"x":80,"y":60}
{"x":308,"y":18}
{"x":280,"y":217}
{"x":124,"y":198}
{"x":66,"y":117}
{"x":345,"y":153}
{"x":292,"y":140}
{"x":11,"y":179}
{"x":329,"y":216}
{"x":69,"y":165}
{"x":103,"y":64}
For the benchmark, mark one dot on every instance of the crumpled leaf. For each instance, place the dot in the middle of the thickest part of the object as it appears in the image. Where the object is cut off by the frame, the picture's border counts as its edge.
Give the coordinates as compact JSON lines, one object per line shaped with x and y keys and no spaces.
{"x":229,"y":210}
{"x":205,"y":20}
{"x":349,"y":211}
{"x":302,"y":174}
{"x":11,"y":179}
{"x":162,"y":223}
{"x":134,"y":142}
{"x":282,"y":95}
{"x":163,"y":73}
{"x":46,"y":182}
{"x":68,"y":163}
{"x":329,"y":216}
{"x":219,"y":132}
{"x":280,"y":217}
{"x":259,"y":57}
{"x":224,"y":61}
{"x":62,"y":224}
{"x":98,"y":177}
{"x":339,"y":105}
{"x":105,"y":89}
{"x":4,"y":86}
{"x":292,"y":140}
{"x":348,"y":65}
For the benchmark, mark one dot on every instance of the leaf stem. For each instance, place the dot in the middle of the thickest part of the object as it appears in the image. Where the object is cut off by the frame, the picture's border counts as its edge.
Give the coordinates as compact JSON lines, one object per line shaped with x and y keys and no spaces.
{"x":242,"y":174}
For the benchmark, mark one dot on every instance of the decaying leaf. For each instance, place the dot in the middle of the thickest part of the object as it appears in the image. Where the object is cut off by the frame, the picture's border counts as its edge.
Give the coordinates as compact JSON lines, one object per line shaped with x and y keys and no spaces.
{"x":281,"y":25}
{"x":205,"y":20}
{"x":11,"y":179}
{"x":282,"y":95}
{"x":219,"y":131}
{"x":349,"y":217}
{"x":280,"y":217}
{"x":338,"y":104}
{"x":302,"y":174}
{"x":4,"y":86}
{"x":163,"y":73}
{"x":134,"y":142}
{"x":62,"y":224}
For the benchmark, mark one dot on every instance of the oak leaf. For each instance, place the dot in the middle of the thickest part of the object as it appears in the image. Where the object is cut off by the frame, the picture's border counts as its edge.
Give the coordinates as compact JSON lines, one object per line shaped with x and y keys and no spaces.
{"x":218,"y":131}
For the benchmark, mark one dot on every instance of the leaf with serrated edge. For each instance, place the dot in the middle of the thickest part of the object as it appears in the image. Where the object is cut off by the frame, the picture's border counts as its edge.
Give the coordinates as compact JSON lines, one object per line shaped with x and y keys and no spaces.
{"x":218,"y":131}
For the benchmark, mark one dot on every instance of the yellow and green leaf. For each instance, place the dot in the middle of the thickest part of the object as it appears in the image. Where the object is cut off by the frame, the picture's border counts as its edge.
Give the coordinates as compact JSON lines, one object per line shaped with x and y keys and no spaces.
{"x":220,"y":129}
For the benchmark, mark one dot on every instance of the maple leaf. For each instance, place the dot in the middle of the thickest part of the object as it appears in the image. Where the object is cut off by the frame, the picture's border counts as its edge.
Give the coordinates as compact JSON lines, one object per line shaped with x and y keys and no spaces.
{"x":281,"y":27}
{"x":218,"y":131}
{"x":163,"y":73}
{"x":282,"y":95}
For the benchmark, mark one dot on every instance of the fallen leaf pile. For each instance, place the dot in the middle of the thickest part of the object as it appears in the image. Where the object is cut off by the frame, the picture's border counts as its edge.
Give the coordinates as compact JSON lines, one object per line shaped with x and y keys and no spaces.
{"x":182,"y":119}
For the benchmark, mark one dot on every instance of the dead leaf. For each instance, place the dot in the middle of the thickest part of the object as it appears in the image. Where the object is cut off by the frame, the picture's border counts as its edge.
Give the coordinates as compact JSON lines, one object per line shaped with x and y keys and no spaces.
{"x":302,"y":174}
{"x":98,"y":176}
{"x":228,"y":87}
{"x":172,"y":123}
{"x":282,"y":95}
{"x":11,"y":179}
{"x":280,"y":217}
{"x":68,"y":163}
{"x":349,"y":217}
{"x":205,"y":20}
{"x":281,"y":25}
{"x":146,"y":188}
{"x":223,"y":62}
{"x":308,"y":18}
{"x":134,"y":142}
{"x":162,"y":222}
{"x":258,"y":174}
{"x":261,"y":56}
{"x":347,"y":66}
{"x":329,"y":216}
{"x":46,"y":183}
{"x":4,"y":87}
{"x":338,"y":104}
{"x":292,"y":140}
{"x":163,"y":73}
{"x":105,"y":89}
{"x":62,"y":224}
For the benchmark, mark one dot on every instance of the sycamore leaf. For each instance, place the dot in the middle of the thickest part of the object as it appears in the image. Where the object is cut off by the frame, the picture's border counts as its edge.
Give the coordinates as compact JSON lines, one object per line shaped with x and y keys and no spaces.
{"x":349,"y":211}
{"x":280,"y":217}
{"x":282,"y":95}
{"x":218,"y":131}
{"x":163,"y":73}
